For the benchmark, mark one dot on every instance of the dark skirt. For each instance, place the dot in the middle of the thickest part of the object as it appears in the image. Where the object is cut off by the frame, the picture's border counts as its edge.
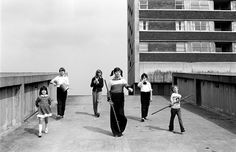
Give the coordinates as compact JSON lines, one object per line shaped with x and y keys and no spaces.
{"x":44,"y":110}
{"x":61,"y":101}
{"x":118,"y":100}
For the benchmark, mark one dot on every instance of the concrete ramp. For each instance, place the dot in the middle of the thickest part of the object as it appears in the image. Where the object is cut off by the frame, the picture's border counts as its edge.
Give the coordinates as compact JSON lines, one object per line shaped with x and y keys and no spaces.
{"x":80,"y":131}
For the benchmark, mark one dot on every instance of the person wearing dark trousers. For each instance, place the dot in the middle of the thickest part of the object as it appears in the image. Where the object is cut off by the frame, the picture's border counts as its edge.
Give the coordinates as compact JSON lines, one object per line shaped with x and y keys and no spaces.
{"x":97,"y":85}
{"x":61,"y":99}
{"x":118,"y":119}
{"x":175,"y":109}
{"x":146,"y":95}
{"x":62,"y":84}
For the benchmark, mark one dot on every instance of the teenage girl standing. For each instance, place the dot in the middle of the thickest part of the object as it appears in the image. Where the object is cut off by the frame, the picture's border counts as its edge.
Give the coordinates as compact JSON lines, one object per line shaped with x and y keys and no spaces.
{"x":116,"y":87}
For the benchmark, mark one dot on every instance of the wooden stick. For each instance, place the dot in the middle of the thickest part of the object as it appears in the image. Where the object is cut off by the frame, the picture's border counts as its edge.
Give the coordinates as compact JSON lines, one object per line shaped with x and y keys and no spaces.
{"x":169,"y":105}
{"x":30,"y":115}
{"x":112,"y":106}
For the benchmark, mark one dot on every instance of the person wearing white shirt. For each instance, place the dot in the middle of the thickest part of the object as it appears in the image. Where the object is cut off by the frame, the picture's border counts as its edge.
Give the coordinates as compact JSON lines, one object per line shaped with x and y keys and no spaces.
{"x":62,"y":84}
{"x":175,"y":109}
{"x":146,"y":95}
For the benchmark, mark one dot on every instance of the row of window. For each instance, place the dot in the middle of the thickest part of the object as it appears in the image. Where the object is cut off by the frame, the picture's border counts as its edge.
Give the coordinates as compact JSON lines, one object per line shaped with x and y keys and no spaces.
{"x":187,"y":25}
{"x":194,"y":4}
{"x":187,"y":47}
{"x":186,"y":4}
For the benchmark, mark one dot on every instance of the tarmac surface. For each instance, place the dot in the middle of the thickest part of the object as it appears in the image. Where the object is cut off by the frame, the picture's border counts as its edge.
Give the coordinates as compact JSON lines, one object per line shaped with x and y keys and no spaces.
{"x":80,"y":131}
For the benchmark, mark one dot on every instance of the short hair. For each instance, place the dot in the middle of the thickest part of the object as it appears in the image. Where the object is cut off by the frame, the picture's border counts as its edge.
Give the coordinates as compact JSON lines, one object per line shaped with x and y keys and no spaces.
{"x":43,"y":88}
{"x":115,"y":70}
{"x":62,"y":69}
{"x":144,"y":75}
{"x":172,"y":87}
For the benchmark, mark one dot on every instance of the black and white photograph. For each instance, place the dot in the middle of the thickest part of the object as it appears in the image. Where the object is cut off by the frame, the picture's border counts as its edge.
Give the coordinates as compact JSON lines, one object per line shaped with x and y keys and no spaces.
{"x":118,"y":75}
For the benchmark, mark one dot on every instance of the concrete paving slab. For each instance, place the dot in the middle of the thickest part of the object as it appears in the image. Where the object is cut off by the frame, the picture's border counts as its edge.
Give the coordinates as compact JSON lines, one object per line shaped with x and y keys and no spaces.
{"x":80,"y":131}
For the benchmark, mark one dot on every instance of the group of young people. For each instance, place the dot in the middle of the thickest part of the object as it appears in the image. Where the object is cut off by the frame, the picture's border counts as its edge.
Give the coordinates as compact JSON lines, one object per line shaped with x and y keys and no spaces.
{"x":115,"y":97}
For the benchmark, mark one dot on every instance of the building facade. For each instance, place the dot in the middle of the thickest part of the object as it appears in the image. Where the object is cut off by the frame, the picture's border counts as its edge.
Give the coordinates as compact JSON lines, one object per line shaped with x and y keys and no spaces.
{"x":166,"y":36}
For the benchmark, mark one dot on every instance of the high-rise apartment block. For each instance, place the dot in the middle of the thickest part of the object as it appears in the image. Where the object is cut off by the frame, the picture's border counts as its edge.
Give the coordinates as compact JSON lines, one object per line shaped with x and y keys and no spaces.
{"x":193,"y":36}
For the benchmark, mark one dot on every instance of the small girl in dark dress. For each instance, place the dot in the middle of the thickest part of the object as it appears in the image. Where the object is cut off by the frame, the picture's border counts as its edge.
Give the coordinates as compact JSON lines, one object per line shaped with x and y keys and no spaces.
{"x":43,"y":103}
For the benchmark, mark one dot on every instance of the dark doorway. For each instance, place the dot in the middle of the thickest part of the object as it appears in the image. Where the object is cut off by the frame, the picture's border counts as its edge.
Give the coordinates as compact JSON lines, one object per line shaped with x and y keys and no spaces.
{"x":198,"y":93}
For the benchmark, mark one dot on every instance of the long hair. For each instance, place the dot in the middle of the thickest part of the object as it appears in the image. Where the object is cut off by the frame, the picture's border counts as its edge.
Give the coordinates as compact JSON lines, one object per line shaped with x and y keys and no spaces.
{"x":43,"y":88}
{"x":115,"y":70}
{"x":98,"y":71}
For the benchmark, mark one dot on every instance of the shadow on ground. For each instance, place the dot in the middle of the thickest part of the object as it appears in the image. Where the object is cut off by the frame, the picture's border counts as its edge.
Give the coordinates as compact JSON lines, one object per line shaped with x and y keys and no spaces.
{"x":156,"y":128}
{"x":84,"y":113}
{"x":223,"y":121}
{"x":134,"y":118}
{"x":32,"y":131}
{"x":99,"y":130}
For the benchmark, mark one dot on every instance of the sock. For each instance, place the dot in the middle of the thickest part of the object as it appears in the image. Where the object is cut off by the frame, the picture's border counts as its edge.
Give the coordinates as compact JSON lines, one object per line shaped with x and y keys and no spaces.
{"x":40,"y":128}
{"x":46,"y":128}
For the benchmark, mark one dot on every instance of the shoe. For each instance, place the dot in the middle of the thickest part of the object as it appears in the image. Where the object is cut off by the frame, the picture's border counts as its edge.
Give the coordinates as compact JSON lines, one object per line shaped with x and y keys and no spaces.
{"x":145,"y":118}
{"x":40,"y":135}
{"x":171,"y":130}
{"x":46,"y":130}
{"x":142,"y":120}
{"x":115,"y":135}
{"x":119,"y":135}
{"x":97,"y":115}
{"x":182,"y":131}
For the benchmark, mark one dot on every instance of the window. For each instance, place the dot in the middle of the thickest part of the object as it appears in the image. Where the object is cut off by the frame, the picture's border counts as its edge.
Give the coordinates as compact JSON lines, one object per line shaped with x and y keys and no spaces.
{"x":233,"y":5}
{"x":233,"y":26}
{"x":204,"y":5}
{"x":180,"y":47}
{"x":196,"y":46}
{"x":201,"y":47}
{"x":143,"y":4}
{"x":200,"y":26}
{"x":179,"y":4}
{"x":162,"y":47}
{"x":179,"y":26}
{"x":197,"y":26}
{"x":234,"y":47}
{"x":143,"y":25}
{"x":200,"y":5}
{"x":161,"y":25}
{"x":161,"y":4}
{"x":195,"y":5}
{"x":143,"y":47}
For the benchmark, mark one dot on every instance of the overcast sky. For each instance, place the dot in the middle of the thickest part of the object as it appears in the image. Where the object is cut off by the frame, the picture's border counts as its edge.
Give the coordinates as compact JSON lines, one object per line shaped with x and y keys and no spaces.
{"x":80,"y":35}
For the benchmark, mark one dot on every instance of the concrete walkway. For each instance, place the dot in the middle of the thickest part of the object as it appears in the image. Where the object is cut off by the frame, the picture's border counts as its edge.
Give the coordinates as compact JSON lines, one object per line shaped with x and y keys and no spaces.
{"x":80,"y":131}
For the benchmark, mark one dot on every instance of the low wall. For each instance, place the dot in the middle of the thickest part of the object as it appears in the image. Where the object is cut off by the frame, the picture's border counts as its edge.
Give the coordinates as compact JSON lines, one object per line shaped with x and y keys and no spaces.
{"x":18,"y":92}
{"x":216,"y":92}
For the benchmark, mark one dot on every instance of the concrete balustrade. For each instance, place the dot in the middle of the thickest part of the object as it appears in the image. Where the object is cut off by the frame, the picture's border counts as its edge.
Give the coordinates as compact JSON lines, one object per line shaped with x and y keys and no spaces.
{"x":18,"y":92}
{"x":213,"y":91}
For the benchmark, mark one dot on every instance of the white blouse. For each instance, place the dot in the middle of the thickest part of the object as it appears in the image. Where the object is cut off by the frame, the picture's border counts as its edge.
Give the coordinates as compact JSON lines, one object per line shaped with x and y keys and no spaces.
{"x":58,"y":80}
{"x":145,"y":87}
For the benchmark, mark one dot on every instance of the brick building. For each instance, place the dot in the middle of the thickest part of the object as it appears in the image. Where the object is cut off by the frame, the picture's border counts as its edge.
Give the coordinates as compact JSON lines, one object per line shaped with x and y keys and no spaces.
{"x":166,"y":36}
